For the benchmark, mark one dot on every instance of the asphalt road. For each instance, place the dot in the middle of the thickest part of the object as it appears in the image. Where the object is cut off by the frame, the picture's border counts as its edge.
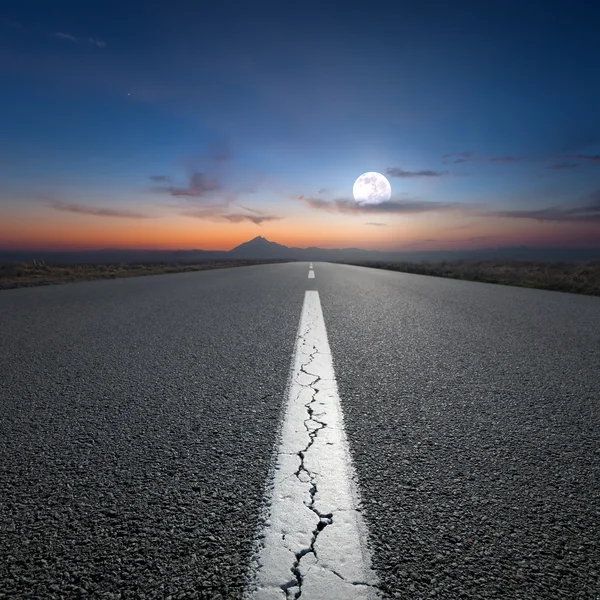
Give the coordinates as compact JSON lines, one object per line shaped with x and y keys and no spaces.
{"x":138,"y":419}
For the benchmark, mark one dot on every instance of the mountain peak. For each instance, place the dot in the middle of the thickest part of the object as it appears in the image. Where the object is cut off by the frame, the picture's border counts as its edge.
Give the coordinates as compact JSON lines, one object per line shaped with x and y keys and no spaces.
{"x":260,"y":247}
{"x":258,"y":241}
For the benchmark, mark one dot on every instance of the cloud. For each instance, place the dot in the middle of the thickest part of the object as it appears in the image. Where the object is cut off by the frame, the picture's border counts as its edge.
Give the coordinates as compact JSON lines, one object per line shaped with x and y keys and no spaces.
{"x":97,"y":42}
{"x":256,"y":219}
{"x":96,"y":211}
{"x":215,"y":213}
{"x":401,"y":173}
{"x":562,"y":161}
{"x":322,"y":191}
{"x":319,"y":203}
{"x":562,"y":165}
{"x":463,"y":157}
{"x":377,"y":224}
{"x":200,"y":185}
{"x":408,"y":206}
{"x":254,"y":211}
{"x":65,"y":36}
{"x":205,"y":172}
{"x":589,"y":211}
{"x":457,"y":158}
{"x":505,"y":159}
{"x":593,"y":158}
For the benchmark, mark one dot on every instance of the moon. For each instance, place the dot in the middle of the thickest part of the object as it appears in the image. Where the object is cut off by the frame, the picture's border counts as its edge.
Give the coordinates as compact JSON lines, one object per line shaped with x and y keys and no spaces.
{"x":372,"y":188}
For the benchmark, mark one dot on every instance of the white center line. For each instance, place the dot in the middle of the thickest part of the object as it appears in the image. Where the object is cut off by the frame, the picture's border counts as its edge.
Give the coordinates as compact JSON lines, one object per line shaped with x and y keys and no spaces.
{"x":314,"y":545}
{"x":311,"y":274}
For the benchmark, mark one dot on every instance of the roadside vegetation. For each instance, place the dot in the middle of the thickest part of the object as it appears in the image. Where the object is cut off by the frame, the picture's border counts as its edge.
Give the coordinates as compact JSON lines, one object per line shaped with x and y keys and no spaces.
{"x":38,"y":273}
{"x":578,"y":278}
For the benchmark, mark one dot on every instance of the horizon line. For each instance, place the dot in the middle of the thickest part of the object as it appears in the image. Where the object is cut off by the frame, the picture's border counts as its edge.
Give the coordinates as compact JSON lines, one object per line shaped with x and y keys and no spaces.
{"x":347,"y":248}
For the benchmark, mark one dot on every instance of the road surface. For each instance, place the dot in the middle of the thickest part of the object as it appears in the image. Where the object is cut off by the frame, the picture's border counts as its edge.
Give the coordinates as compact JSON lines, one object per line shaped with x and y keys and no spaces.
{"x":139,"y":418}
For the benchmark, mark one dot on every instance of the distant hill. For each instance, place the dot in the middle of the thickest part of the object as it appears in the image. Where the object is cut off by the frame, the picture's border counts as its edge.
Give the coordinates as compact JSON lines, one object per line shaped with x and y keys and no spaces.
{"x":260,"y":248}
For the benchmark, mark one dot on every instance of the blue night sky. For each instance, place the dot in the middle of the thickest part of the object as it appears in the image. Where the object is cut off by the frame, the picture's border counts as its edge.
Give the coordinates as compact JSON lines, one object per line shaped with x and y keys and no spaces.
{"x":195,"y":124}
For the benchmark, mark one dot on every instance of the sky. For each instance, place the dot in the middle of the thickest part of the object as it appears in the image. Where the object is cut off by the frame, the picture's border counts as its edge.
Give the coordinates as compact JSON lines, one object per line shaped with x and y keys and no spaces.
{"x":204,"y":124}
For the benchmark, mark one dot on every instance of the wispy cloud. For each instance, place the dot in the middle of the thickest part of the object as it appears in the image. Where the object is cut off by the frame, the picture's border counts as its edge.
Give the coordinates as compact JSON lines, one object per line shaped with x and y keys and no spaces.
{"x":463,"y":157}
{"x":408,"y":206}
{"x":377,"y":224}
{"x":454,"y":159}
{"x":593,"y":158}
{"x":254,"y":211}
{"x":65,"y":36}
{"x":256,"y":219}
{"x":96,"y":211}
{"x":205,"y":172}
{"x":559,"y":166}
{"x":216,"y":212}
{"x":505,"y":159}
{"x":401,"y":173}
{"x":97,"y":42}
{"x":561,"y":162}
{"x":256,"y":216}
{"x":199,"y":185}
{"x":71,"y":38}
{"x":585,"y":212}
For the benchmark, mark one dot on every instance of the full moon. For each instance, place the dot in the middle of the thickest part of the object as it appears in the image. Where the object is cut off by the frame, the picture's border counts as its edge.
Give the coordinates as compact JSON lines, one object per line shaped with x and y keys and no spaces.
{"x":372,"y":188}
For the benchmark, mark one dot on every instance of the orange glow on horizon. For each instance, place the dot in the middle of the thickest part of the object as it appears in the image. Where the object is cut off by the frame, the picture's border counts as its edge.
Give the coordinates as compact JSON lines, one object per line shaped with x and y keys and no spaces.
{"x":49,"y":230}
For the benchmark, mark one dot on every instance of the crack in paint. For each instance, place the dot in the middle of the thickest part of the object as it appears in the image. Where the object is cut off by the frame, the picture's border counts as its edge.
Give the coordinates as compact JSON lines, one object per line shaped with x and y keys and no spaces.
{"x":312,"y":448}
{"x":325,"y":519}
{"x":354,"y":582}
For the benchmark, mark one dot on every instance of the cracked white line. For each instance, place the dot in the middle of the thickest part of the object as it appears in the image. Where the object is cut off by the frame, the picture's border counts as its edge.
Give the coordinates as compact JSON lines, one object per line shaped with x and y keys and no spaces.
{"x":314,"y":545}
